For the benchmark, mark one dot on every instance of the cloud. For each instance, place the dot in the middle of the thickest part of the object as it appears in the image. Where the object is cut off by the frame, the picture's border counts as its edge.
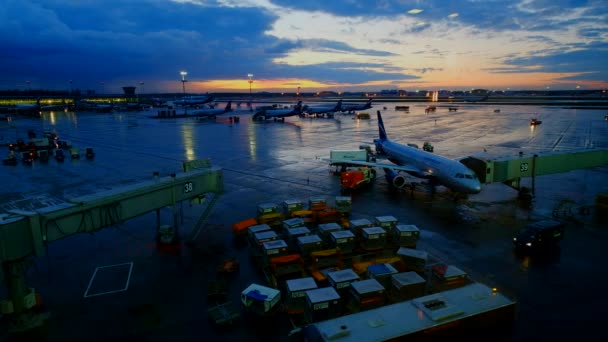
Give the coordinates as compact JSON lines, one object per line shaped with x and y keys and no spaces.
{"x":343,"y":41}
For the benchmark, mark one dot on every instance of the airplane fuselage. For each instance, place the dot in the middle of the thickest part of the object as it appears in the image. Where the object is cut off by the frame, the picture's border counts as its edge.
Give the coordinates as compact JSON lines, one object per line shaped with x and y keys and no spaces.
{"x":448,"y":172}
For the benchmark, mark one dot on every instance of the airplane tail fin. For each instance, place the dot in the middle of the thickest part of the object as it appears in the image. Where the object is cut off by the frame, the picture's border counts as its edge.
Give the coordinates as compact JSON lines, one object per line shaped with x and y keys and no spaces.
{"x":381,"y":130}
{"x":229,"y":106}
{"x":298,"y":108}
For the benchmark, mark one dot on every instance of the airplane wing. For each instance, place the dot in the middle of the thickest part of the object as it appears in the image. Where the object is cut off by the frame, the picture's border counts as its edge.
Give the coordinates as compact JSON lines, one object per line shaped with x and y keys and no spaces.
{"x":406,"y":168}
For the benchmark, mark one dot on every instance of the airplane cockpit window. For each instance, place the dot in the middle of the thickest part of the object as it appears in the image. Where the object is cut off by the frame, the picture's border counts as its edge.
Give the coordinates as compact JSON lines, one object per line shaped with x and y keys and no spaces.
{"x":459,"y":175}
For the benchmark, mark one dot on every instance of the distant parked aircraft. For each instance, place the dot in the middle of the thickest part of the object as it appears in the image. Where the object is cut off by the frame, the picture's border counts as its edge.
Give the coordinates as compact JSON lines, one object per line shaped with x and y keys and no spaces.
{"x":322,"y":109}
{"x":354,"y":107}
{"x":211,"y":112}
{"x":280,"y":114}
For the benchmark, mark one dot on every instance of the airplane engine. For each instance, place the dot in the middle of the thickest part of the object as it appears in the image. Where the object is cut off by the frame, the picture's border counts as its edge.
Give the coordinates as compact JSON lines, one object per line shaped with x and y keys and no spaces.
{"x":394,"y":178}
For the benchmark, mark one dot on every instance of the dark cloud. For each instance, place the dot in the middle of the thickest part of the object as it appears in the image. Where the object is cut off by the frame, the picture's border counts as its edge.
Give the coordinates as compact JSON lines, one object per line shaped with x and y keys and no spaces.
{"x":590,"y":61}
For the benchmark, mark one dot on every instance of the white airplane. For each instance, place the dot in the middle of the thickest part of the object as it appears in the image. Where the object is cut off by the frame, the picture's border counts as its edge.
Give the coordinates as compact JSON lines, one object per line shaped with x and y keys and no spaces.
{"x":354,"y":107}
{"x":322,"y":109}
{"x":278,"y":114}
{"x":437,"y":169}
{"x":211,"y":112}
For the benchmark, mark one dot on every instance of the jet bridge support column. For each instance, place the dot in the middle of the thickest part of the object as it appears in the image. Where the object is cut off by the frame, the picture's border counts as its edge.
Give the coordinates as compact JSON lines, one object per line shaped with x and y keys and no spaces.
{"x":21,"y":297}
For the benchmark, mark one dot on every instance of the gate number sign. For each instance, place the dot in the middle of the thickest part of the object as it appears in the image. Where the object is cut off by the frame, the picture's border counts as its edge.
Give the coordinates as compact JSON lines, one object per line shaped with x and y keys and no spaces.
{"x":188,"y":187}
{"x":523,"y":167}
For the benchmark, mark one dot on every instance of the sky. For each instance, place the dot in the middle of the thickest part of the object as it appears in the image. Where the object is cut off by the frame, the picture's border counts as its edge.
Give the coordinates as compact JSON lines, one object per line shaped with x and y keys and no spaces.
{"x":337,"y":45}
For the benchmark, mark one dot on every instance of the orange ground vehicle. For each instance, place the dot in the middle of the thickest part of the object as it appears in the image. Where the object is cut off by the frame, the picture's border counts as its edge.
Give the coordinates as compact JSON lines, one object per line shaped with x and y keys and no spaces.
{"x":351,"y":180}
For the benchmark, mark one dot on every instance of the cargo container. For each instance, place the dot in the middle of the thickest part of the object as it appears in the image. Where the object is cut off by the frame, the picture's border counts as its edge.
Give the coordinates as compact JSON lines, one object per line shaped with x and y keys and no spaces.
{"x":260,"y":300}
{"x":291,"y":205}
{"x":447,"y":277}
{"x":405,"y":235}
{"x":406,"y":285}
{"x":322,"y":304}
{"x":366,"y":294}
{"x":413,"y":259}
{"x":373,"y":238}
{"x":293,"y":223}
{"x":268,"y":208}
{"x":344,"y":204}
{"x":386,"y":222}
{"x":275,"y":248}
{"x":296,"y":294}
{"x":343,"y":240}
{"x":308,"y":244}
{"x":317,"y":203}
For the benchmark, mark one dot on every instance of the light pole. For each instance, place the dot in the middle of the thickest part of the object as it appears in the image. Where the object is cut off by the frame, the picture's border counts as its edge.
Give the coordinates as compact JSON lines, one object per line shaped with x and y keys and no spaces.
{"x":142,"y":87}
{"x":183,"y":74}
{"x":28,"y":85}
{"x":250,"y":97}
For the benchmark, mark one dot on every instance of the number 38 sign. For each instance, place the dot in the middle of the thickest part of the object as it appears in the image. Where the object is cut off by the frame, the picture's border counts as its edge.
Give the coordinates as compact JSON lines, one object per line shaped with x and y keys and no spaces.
{"x":188,"y":187}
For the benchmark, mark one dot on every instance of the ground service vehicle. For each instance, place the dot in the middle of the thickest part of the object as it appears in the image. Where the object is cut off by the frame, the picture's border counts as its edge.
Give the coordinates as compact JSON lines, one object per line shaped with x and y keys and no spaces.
{"x":539,"y":234}
{"x":353,"y":179}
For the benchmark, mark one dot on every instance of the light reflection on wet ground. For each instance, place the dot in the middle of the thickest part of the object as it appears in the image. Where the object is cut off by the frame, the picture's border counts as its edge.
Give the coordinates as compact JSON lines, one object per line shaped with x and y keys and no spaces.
{"x":273,"y":161}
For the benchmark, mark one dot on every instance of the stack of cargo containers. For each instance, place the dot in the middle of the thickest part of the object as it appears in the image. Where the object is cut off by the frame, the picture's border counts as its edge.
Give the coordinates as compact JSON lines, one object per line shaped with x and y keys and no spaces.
{"x":291,"y":205}
{"x":413,"y":259}
{"x":373,"y":238}
{"x":382,"y":273}
{"x":251,"y":231}
{"x":322,"y":304}
{"x":358,"y":224}
{"x":343,"y":240}
{"x":405,"y":286}
{"x":308,"y":244}
{"x":294,"y":233}
{"x":326,"y":228}
{"x":447,"y":277}
{"x":405,"y":235}
{"x":296,"y":294}
{"x":367,"y":294}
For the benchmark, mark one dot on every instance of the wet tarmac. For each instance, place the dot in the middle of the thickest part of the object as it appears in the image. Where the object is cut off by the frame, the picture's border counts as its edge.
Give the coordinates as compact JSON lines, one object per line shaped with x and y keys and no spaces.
{"x":559,"y":295}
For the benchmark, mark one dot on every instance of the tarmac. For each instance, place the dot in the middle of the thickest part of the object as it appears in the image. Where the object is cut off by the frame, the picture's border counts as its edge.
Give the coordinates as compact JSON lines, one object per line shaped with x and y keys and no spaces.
{"x":163,"y":293}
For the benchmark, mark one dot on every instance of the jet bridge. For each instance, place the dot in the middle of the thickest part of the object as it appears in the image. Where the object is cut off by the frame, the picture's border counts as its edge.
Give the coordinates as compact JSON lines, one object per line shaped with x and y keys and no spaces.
{"x":510,"y":170}
{"x":26,"y":233}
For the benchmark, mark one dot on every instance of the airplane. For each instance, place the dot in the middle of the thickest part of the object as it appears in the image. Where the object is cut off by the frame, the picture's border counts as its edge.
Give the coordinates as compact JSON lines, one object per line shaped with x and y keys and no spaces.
{"x":280,"y":114}
{"x":421,"y":164}
{"x":211,"y":112}
{"x":323,"y":109}
{"x":194,"y":100}
{"x":476,"y":98}
{"x":354,"y":107}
